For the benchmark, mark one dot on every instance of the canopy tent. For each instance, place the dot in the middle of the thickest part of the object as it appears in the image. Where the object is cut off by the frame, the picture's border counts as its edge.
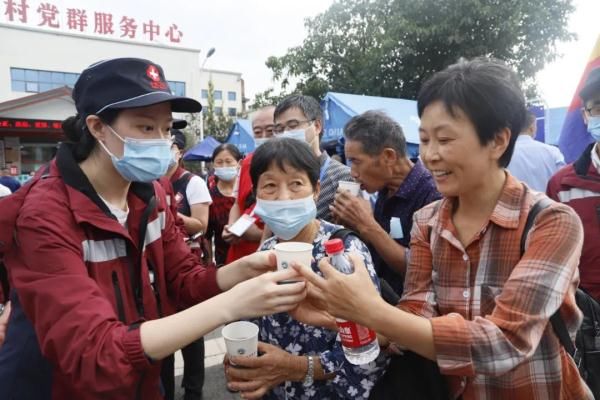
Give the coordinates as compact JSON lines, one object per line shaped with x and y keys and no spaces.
{"x":202,"y":151}
{"x":240,"y":135}
{"x":338,"y":108}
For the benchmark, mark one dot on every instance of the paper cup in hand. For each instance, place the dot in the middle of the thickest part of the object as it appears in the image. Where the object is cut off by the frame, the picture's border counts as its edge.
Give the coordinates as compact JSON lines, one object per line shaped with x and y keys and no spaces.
{"x":352,"y":187}
{"x":241,"y":339}
{"x":289,"y":252}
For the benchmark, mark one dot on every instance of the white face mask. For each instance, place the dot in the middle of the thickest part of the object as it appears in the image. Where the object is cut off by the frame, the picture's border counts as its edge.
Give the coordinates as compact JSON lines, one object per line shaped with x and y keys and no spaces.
{"x":298,"y":134}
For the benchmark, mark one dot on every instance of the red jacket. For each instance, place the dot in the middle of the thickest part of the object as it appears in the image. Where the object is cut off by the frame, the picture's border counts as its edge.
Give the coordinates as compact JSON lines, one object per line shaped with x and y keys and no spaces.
{"x":246,"y":205}
{"x":578,"y":185}
{"x":76,"y":273}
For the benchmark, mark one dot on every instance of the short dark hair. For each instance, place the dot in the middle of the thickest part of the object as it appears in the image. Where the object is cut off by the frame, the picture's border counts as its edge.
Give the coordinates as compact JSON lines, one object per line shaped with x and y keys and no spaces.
{"x":376,"y":131}
{"x":282,"y":152}
{"x":231,"y":148}
{"x":489,"y":94}
{"x":530,"y":119}
{"x":308,"y":105}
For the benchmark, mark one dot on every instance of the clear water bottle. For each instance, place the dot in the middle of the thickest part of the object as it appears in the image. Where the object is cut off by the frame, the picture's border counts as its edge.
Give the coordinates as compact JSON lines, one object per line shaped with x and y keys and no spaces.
{"x":359,"y":342}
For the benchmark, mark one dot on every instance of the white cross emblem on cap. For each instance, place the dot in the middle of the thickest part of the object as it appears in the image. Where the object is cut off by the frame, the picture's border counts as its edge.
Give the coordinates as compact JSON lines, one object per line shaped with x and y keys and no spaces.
{"x":153,"y":73}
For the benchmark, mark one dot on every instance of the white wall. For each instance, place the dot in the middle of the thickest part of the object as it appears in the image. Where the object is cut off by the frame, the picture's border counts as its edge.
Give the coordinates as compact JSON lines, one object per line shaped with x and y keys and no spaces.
{"x":224,"y":81}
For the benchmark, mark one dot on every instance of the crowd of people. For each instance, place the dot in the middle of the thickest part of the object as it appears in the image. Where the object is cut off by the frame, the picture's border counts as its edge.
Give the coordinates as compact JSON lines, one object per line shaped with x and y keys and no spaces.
{"x":119,"y":256}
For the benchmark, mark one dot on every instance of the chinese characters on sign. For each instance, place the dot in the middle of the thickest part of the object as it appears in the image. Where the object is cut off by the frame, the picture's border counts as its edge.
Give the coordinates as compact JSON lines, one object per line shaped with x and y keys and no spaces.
{"x":79,"y":20}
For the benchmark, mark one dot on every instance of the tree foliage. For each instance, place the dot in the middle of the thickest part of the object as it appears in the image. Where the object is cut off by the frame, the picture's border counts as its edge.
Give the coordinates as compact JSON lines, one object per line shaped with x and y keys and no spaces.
{"x":389,"y":47}
{"x":215,"y":124}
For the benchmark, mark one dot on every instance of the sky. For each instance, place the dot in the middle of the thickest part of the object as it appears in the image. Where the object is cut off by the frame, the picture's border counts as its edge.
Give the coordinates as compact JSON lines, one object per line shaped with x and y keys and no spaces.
{"x":245,"y":33}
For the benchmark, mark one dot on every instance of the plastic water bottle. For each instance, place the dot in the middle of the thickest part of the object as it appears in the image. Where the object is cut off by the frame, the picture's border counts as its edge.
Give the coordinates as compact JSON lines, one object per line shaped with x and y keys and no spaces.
{"x":359,"y":342}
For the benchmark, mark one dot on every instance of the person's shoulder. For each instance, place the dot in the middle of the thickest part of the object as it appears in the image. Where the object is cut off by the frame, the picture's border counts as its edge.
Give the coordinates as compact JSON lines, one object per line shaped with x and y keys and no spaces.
{"x":562,"y":173}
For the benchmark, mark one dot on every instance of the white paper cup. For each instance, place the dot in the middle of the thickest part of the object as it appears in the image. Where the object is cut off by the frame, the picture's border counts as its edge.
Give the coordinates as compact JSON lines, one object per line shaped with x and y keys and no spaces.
{"x":352,"y":187}
{"x":286,"y":252}
{"x":241,"y":339}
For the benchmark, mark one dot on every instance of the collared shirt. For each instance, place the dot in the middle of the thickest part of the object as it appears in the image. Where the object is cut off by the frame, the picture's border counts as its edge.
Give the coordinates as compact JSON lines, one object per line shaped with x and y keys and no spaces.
{"x":417,"y":190}
{"x":489,"y":306}
{"x":350,"y":381}
{"x":332,"y":171}
{"x":596,"y":158}
{"x":534,"y":162}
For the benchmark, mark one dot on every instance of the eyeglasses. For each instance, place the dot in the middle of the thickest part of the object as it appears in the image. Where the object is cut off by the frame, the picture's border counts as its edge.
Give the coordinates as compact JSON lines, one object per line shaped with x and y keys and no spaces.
{"x":594,"y":110}
{"x":290,"y":125}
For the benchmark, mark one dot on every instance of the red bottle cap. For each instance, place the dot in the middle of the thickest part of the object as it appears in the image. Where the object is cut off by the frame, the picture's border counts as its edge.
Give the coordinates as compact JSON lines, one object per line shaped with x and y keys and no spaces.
{"x":334,"y":246}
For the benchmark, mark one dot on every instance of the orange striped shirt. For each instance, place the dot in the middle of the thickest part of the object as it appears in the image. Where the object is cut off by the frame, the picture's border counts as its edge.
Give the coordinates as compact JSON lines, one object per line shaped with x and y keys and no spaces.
{"x":489,"y":307}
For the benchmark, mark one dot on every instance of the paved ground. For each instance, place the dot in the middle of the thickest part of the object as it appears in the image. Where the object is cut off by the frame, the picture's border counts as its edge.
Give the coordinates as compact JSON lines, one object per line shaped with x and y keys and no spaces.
{"x":214,"y":379}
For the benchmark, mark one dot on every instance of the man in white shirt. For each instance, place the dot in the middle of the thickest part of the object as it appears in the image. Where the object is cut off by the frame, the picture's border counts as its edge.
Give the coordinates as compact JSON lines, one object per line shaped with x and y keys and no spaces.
{"x":534,"y":162}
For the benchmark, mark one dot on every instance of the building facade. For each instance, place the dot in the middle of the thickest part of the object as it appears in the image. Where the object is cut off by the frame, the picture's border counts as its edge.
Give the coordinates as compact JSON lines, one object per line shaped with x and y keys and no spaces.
{"x":38,"y":69}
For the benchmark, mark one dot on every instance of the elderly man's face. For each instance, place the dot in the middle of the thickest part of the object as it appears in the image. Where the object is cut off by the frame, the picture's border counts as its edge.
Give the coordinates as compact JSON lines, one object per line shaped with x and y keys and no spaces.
{"x":366,"y":169}
{"x":262,"y":124}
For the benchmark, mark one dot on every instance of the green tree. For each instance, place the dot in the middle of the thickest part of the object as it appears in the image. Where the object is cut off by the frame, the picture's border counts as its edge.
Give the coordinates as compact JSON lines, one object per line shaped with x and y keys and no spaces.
{"x":215,"y":124}
{"x":389,"y":47}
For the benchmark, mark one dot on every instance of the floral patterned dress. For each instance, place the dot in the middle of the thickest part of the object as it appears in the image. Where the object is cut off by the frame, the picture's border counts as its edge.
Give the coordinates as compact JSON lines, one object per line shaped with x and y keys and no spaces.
{"x":351,"y":381}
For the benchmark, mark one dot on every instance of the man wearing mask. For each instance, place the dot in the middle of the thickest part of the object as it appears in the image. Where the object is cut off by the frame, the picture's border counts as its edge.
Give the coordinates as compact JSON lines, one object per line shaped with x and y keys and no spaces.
{"x":578,"y":185}
{"x":299,"y":117}
{"x":193,"y":200}
{"x":376,"y":147}
{"x":262,"y":128}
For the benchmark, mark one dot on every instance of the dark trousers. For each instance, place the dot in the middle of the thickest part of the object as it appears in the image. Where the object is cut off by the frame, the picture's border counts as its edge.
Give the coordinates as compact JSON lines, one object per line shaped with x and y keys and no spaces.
{"x":193,"y":370}
{"x":167,"y":377}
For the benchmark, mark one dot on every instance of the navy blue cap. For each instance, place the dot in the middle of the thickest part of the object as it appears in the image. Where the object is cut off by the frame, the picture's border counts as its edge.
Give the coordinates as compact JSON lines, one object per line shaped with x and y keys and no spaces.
{"x":126,"y":83}
{"x":179,"y":124}
{"x":178,"y":138}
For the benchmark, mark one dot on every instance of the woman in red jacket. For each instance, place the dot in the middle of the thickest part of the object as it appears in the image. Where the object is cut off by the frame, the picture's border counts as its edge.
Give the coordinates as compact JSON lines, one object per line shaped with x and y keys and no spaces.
{"x":98,"y":266}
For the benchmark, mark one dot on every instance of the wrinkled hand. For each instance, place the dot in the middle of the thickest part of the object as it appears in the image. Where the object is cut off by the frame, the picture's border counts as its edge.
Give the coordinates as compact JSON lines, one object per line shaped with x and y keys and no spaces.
{"x":4,"y":322}
{"x":352,"y":211}
{"x":263,"y":295}
{"x":258,"y":375}
{"x":348,"y":296}
{"x":313,"y":311}
{"x":229,"y":237}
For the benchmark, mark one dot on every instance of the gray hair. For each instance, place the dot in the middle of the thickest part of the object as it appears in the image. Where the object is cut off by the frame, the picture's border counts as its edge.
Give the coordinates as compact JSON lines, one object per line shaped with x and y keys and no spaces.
{"x":375,"y":130}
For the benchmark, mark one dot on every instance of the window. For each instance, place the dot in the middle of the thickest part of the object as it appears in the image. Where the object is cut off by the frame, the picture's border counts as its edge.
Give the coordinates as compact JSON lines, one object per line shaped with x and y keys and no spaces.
{"x":231,"y":96}
{"x":219,"y":110}
{"x":232,"y":112}
{"x":204,"y":94}
{"x":36,"y":81}
{"x":218,"y":95}
{"x":177,"y":88}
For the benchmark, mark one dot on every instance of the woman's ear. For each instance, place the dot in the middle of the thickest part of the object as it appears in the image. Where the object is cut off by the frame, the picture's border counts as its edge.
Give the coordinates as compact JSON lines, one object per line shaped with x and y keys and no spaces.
{"x":317,"y":191}
{"x":500,"y":142}
{"x":95,"y":126}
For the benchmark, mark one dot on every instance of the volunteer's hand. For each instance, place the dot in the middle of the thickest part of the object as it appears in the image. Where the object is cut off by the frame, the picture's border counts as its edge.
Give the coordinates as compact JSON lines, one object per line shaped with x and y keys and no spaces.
{"x":228,"y":236}
{"x":352,"y":211}
{"x":347,"y":296}
{"x":4,"y":322}
{"x":264,"y":295}
{"x":255,"y":376}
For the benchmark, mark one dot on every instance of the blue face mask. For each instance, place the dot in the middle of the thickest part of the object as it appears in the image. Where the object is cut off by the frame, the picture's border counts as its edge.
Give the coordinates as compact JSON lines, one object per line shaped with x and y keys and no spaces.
{"x":144,"y":160}
{"x":297,"y":134}
{"x":259,"y":141}
{"x":226,"y":173}
{"x":286,"y":218}
{"x":593,"y":127}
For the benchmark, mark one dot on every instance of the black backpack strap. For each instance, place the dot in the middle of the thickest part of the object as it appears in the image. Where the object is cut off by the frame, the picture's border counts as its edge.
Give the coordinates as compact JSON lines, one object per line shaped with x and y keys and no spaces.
{"x":150,"y":207}
{"x":558,"y":324}
{"x":387,"y":292}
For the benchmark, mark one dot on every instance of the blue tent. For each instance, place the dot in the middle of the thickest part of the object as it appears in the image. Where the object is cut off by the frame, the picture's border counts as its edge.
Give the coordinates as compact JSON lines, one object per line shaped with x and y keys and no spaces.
{"x":338,"y":108}
{"x":240,"y":135}
{"x":202,"y":151}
